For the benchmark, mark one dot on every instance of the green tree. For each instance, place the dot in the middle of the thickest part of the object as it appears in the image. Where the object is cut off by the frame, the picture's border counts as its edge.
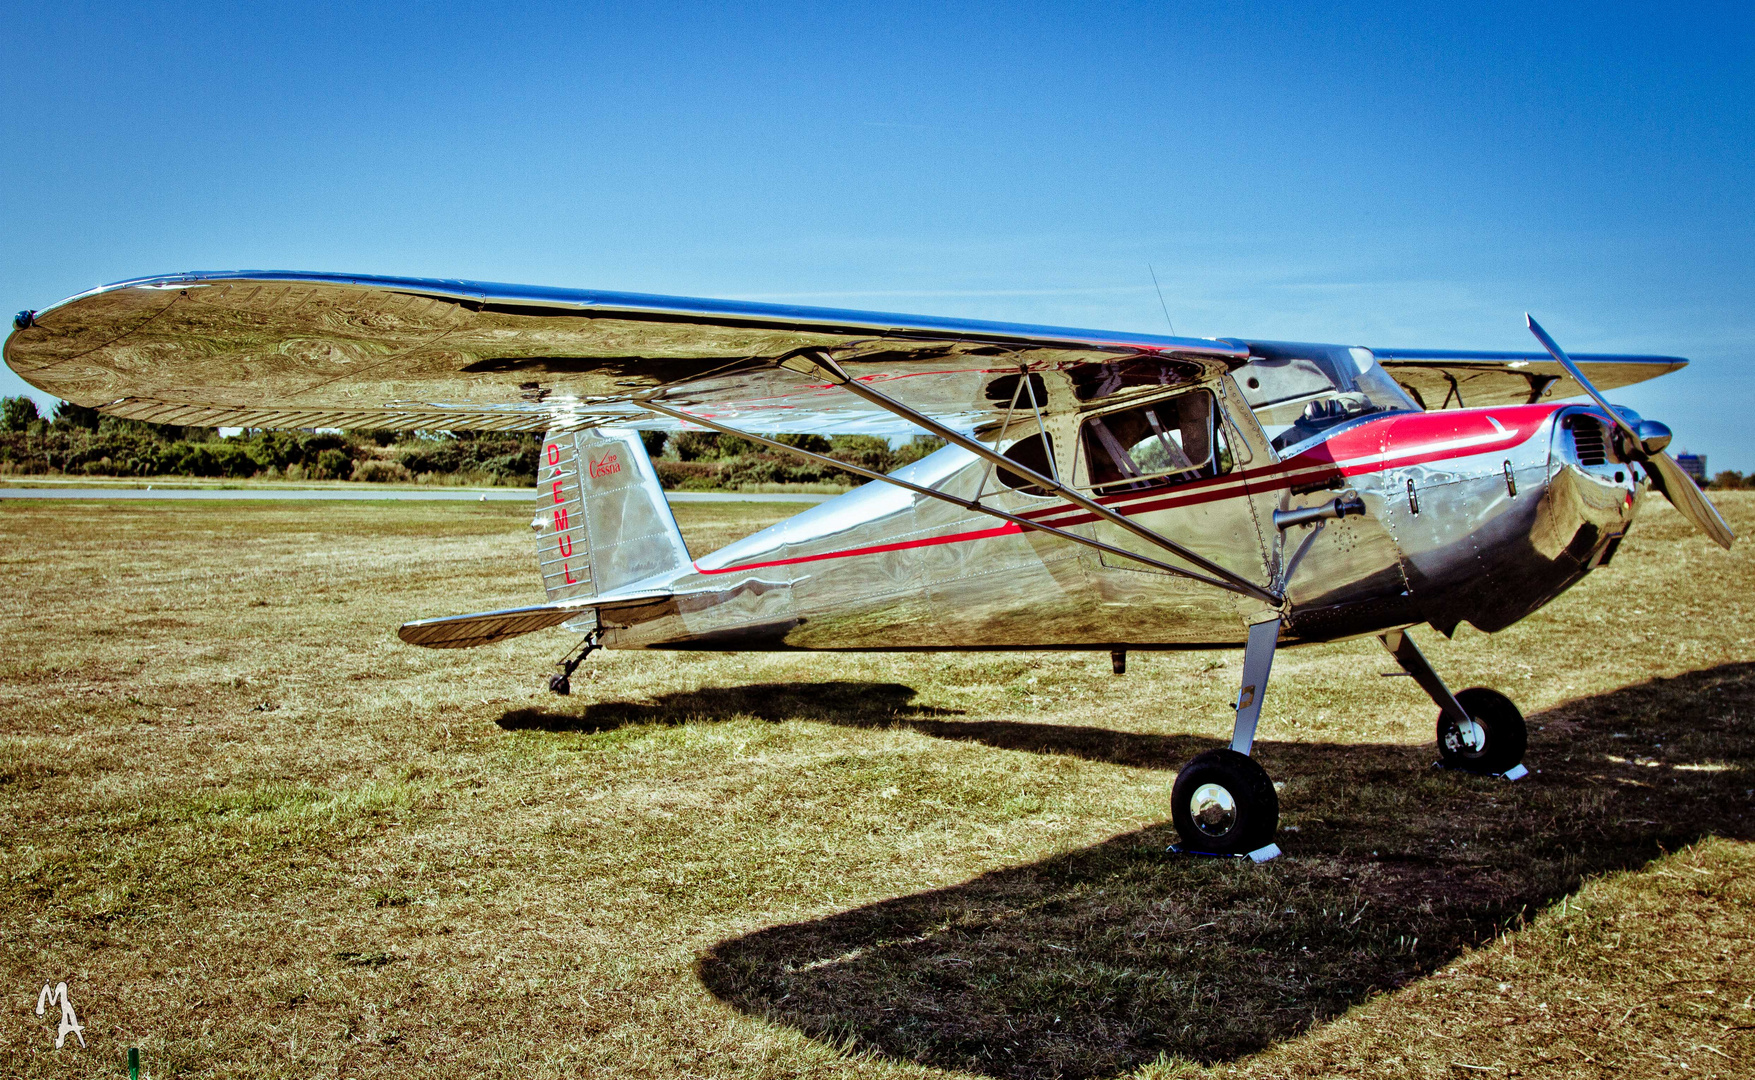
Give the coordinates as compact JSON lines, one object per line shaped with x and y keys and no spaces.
{"x":731,"y":446}
{"x":334,"y":465}
{"x":816,"y":444}
{"x":867,"y":450}
{"x":916,"y":448}
{"x":17,"y":413}
{"x":69,"y":415}
{"x":696,"y":445}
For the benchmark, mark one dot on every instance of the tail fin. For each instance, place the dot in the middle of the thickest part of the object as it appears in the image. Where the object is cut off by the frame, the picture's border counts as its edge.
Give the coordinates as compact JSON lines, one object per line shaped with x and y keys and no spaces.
{"x":602,"y":525}
{"x":602,"y":522}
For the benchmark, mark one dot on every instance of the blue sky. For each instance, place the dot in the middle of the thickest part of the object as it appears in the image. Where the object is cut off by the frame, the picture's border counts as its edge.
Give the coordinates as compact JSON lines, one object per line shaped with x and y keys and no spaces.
{"x":1377,"y":174}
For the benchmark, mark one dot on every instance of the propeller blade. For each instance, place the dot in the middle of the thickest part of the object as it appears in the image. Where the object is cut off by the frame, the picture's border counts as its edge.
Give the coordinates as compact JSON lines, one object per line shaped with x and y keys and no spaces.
{"x":1559,"y":354}
{"x":1678,"y":487}
{"x":1685,"y":495}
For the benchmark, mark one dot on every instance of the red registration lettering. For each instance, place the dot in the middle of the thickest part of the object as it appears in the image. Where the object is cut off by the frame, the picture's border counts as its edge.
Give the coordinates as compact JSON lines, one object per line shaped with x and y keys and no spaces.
{"x":560,"y":519}
{"x":566,"y":546}
{"x":567,"y":570}
{"x":559,"y":497}
{"x":554,"y":454}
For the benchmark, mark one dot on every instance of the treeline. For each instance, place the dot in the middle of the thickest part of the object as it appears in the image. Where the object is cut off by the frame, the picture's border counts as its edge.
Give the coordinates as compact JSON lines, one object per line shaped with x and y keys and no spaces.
{"x":77,"y":441}
{"x":707,"y":460}
{"x":1731,"y":480}
{"x":82,"y":442}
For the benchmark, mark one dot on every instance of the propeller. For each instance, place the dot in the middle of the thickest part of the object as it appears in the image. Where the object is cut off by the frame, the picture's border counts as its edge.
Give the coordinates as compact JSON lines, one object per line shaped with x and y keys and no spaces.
{"x":1645,"y":443}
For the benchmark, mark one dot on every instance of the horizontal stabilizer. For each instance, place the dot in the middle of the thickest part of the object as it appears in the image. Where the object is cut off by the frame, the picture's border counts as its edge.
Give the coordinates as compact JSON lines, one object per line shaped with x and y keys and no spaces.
{"x":486,"y":627}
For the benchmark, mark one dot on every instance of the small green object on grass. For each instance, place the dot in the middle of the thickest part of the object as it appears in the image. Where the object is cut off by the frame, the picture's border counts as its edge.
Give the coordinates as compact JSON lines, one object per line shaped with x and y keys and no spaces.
{"x":133,"y":1063}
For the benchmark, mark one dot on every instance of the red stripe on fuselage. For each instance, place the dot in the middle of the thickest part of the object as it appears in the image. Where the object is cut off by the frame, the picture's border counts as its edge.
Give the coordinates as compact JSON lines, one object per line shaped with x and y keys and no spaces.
{"x":1369,"y":448}
{"x":875,"y":549}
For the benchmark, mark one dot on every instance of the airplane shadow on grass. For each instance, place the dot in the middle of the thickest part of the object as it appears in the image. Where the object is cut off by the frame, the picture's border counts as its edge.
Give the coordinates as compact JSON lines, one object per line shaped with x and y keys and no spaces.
{"x":1096,"y":961}
{"x":847,"y":703}
{"x":862,"y":704}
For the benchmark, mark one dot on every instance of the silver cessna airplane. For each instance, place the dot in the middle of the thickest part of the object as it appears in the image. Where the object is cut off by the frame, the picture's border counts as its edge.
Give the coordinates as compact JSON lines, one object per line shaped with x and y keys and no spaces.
{"x":1099,"y":490}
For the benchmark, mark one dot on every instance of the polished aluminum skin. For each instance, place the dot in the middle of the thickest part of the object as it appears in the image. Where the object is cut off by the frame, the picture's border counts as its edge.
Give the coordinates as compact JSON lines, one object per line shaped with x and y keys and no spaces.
{"x":601,"y":521}
{"x":1096,"y":490}
{"x":1447,"y":535}
{"x":1193,"y":487}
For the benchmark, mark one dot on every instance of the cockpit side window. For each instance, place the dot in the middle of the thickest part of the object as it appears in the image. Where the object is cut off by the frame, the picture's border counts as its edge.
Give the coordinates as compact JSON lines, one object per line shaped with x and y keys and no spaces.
{"x":1299,"y":391}
{"x":1157,"y":445}
{"x":1270,"y":381}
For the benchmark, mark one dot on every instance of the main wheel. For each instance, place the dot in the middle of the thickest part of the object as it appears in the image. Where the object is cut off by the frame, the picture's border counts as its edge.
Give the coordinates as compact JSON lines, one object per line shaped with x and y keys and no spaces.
{"x":1224,"y":803}
{"x":1494,"y":739}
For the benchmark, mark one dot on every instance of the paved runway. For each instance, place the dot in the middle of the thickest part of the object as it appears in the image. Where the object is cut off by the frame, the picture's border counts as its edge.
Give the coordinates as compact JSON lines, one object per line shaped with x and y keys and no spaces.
{"x":448,"y":494}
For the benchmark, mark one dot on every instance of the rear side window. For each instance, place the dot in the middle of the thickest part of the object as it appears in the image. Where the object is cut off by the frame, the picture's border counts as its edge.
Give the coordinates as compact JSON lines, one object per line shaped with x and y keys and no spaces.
{"x":1157,"y":445}
{"x":1035,"y":453}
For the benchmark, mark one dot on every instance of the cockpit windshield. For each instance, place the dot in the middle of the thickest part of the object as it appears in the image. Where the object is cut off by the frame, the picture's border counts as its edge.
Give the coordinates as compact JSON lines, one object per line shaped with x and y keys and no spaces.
{"x":1300,"y":391}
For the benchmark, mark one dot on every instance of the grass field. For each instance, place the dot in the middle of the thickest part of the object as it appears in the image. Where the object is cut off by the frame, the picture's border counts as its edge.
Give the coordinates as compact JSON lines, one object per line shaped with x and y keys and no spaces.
{"x":258,"y":836}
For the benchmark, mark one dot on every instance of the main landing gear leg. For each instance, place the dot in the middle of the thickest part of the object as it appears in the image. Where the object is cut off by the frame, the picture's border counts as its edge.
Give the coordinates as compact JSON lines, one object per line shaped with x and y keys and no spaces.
{"x":1479,"y":730}
{"x":1223,"y":802}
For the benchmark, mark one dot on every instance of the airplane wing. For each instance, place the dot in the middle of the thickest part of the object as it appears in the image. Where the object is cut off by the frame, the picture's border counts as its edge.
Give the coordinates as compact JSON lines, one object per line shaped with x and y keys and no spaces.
{"x":289,"y":350}
{"x":270,"y":349}
{"x":1441,"y":379}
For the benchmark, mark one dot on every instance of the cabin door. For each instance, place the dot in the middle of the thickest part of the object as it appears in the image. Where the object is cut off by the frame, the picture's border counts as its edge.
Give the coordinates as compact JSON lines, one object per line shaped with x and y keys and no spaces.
{"x":1180,"y":465}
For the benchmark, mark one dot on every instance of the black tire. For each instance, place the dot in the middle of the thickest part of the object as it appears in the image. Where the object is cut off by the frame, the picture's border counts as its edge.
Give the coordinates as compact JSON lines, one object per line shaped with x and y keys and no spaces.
{"x":1218,"y":778}
{"x":1502,"y":735}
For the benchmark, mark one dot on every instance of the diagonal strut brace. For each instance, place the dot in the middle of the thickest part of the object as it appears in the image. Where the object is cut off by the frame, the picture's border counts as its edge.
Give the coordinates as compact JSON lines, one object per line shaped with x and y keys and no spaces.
{"x":822,"y":366}
{"x":1414,"y":662}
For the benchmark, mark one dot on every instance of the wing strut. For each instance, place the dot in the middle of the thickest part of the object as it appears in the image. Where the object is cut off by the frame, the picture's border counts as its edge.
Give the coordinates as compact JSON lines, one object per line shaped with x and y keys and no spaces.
{"x":821,"y":365}
{"x":1220,"y":578}
{"x":967,"y":504}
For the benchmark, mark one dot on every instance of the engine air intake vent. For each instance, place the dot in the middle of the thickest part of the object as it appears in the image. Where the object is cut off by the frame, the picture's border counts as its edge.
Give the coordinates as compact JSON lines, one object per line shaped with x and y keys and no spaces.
{"x":1588,"y":442}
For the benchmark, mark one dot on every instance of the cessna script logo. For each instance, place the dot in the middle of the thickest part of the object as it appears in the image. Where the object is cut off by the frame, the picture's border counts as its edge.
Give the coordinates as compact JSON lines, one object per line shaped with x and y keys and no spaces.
{"x":605,"y":466}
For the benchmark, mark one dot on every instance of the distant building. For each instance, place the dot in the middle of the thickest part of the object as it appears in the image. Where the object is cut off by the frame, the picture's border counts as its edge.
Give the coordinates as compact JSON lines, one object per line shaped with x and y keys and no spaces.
{"x":1694,"y":465}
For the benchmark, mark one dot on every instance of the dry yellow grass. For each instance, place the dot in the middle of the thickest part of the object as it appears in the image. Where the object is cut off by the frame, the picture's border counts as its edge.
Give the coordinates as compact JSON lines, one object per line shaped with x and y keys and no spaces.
{"x":257,"y":835}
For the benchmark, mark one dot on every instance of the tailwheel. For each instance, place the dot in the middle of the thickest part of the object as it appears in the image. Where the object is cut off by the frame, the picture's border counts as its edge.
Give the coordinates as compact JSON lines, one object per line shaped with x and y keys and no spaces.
{"x":1224,"y":803}
{"x":1492,"y":742}
{"x":563,"y":683}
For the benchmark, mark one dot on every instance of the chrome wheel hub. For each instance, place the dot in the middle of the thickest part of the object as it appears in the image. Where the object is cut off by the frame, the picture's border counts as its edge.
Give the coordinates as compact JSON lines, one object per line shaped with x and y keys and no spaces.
{"x":1213,"y":809}
{"x":1468,"y":737}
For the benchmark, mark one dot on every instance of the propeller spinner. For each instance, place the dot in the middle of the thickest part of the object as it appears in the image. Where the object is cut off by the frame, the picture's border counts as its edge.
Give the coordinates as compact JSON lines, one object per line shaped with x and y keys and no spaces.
{"x":1645,"y":444}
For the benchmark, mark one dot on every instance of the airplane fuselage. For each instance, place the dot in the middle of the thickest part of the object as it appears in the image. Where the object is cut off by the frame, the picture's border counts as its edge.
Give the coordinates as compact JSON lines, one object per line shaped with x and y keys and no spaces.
{"x":1476,"y":515}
